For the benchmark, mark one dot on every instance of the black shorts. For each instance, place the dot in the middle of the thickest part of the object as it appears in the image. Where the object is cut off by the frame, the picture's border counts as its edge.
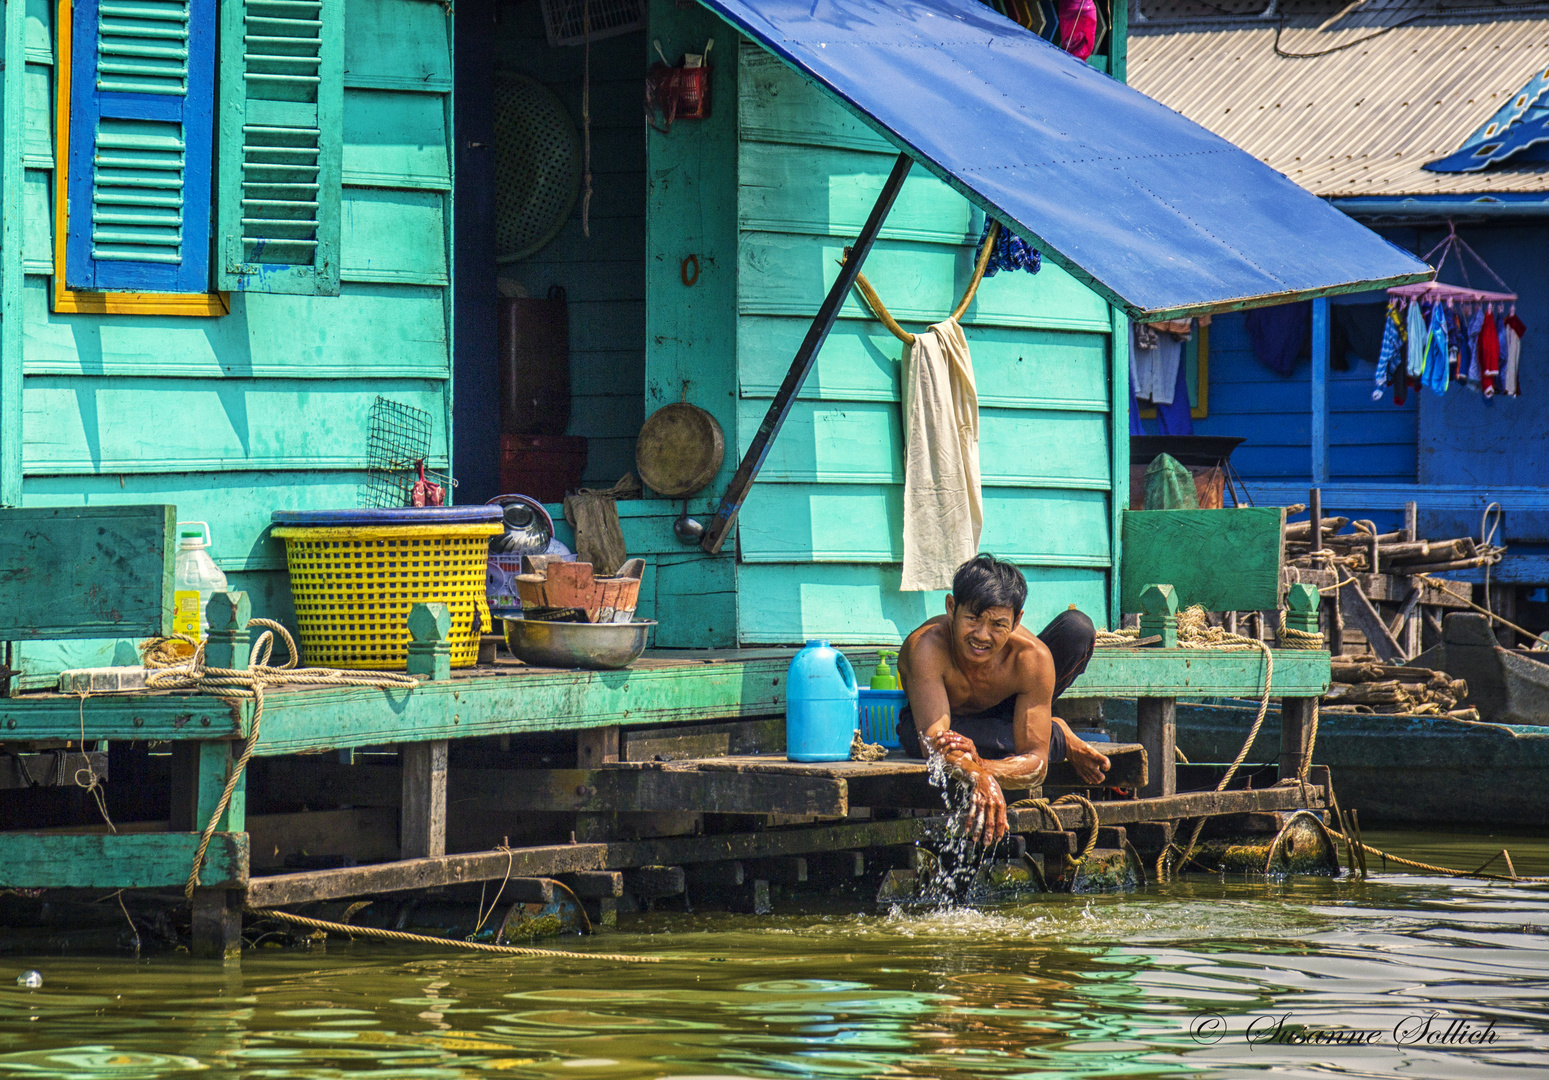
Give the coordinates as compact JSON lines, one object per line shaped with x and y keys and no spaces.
{"x":1069,"y":637}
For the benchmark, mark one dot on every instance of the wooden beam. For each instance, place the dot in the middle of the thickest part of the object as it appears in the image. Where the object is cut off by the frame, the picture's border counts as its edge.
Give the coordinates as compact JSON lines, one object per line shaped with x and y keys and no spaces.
{"x":1198,"y":672}
{"x":654,"y":789}
{"x":422,"y":820}
{"x":1321,"y":343}
{"x":1295,"y":735}
{"x":52,"y":768}
{"x":1227,"y":562}
{"x":1175,"y":807}
{"x":753,"y":460}
{"x":1156,"y":726}
{"x":216,"y":930}
{"x":133,"y":861}
{"x":596,"y":746}
{"x":1358,"y":610}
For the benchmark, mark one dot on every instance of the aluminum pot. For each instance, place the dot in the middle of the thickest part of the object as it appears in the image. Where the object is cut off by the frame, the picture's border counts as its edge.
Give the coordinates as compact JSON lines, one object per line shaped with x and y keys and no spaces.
{"x":596,"y":646}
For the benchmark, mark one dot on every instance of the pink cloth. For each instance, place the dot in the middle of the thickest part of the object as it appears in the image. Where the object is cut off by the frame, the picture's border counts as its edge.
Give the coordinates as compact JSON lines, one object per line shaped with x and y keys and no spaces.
{"x":1078,"y":27}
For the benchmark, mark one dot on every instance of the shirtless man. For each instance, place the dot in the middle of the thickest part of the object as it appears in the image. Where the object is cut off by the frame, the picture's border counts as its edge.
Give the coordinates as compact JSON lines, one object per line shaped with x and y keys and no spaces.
{"x":982,"y":688}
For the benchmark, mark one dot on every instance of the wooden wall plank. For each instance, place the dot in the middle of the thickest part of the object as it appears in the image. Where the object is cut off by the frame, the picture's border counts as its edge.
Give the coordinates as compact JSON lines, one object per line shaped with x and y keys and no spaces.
{"x":395,"y":139}
{"x":858,"y":442}
{"x":131,"y":861}
{"x":696,"y":601}
{"x":106,"y":425}
{"x":369,"y":330}
{"x":393,"y":236}
{"x":776,"y":104}
{"x":38,"y":141}
{"x":82,"y":572}
{"x":1227,"y":560}
{"x":782,"y":274}
{"x":860,"y":361}
{"x":799,"y":523}
{"x":857,"y":604}
{"x":401,"y":44}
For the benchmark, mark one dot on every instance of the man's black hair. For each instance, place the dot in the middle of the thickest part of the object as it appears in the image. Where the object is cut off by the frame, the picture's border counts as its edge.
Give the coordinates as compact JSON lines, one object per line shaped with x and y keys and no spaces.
{"x":984,"y":582}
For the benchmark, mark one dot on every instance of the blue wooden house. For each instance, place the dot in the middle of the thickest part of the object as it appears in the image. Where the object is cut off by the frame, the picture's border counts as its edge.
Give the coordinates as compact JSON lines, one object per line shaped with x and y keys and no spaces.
{"x":1343,"y":125}
{"x":229,"y":229}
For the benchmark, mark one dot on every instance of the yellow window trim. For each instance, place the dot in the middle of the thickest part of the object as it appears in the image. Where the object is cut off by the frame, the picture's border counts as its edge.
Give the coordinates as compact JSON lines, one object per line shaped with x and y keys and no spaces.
{"x":70,"y":301}
{"x":1202,"y":409}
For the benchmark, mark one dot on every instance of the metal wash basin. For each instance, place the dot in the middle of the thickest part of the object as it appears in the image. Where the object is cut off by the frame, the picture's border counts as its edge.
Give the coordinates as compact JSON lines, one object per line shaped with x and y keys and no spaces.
{"x":597,"y":646}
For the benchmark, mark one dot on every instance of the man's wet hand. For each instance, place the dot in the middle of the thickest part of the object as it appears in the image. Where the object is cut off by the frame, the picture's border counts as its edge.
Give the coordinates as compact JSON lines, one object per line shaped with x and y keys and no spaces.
{"x":1090,"y":765}
{"x":986,"y":822}
{"x":954,"y":742}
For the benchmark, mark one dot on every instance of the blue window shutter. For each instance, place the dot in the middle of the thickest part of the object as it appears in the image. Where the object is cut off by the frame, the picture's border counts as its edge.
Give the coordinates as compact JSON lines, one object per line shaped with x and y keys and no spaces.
{"x":281,"y":146}
{"x":141,"y":130}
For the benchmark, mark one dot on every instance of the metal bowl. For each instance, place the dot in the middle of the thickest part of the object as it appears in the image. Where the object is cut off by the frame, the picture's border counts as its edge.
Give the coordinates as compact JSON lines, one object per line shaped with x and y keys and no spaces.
{"x":596,"y":646}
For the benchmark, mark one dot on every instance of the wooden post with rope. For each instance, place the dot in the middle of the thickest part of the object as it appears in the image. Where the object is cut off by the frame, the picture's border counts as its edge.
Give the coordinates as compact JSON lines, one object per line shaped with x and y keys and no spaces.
{"x":422,"y":821}
{"x":1156,"y":719}
{"x":199,"y":774}
{"x":1296,"y":713}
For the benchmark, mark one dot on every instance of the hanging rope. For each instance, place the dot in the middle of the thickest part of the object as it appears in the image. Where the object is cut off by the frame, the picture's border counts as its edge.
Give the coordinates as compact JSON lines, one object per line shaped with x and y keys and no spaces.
{"x":1046,"y":808}
{"x":450,"y":943}
{"x":885,"y":317}
{"x":237,"y":685}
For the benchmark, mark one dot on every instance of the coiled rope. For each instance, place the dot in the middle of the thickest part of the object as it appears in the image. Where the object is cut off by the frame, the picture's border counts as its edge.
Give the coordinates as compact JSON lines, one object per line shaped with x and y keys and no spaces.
{"x":452,"y":943}
{"x":1045,"y":807}
{"x":234,"y":685}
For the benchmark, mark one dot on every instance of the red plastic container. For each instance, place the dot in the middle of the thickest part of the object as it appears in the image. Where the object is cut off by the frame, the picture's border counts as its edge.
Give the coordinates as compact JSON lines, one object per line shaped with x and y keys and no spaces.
{"x":542,"y":467}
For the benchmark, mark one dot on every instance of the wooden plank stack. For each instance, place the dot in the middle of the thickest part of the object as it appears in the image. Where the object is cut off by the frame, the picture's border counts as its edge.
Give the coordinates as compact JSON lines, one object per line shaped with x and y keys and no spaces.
{"x":1391,"y":688}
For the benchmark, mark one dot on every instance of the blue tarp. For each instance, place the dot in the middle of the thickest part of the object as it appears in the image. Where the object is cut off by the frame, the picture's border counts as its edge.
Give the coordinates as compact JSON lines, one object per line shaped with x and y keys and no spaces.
{"x":1148,"y":208}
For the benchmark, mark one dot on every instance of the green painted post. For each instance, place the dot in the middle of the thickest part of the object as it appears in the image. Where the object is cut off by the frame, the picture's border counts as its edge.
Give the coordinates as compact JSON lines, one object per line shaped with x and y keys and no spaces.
{"x":430,"y":653}
{"x":229,"y":642}
{"x":1302,"y":608}
{"x":1118,"y":460}
{"x":1159,"y":615}
{"x":1118,"y":41}
{"x":13,"y":134}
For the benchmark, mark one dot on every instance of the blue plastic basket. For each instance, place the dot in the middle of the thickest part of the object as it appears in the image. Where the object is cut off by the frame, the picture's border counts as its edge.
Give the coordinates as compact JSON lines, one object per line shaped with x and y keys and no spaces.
{"x":879,"y":715}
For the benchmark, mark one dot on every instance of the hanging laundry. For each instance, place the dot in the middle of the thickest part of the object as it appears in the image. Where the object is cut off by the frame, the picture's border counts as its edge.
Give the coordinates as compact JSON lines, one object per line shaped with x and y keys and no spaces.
{"x":1433,"y":374}
{"x":1280,"y":335}
{"x":1516,"y":330}
{"x":1010,"y":252}
{"x":1417,"y":335}
{"x":1454,"y":346}
{"x":1077,"y":27}
{"x":1390,"y":355}
{"x":1475,"y":324}
{"x":1153,"y":371}
{"x":1489,"y":355}
{"x":1358,"y":328}
{"x":943,"y":501}
{"x":1174,"y":417}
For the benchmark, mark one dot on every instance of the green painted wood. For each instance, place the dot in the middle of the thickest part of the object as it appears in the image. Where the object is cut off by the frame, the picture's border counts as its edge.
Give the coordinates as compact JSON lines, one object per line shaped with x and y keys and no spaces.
{"x":1200,"y":673}
{"x":1118,"y":383}
{"x":40,"y":20}
{"x":393,"y":236}
{"x":37,"y":231}
{"x":862,"y":442}
{"x":86,"y":572}
{"x":398,"y":44}
{"x":696,"y":600}
{"x":691,"y":199}
{"x":273,"y":114}
{"x":1227,"y":560}
{"x":395,"y":139}
{"x":373,"y":330}
{"x":863,"y":523}
{"x":920,"y":283}
{"x":214,"y":764}
{"x":13,"y":137}
{"x":174,"y":425}
{"x":1118,"y":43}
{"x":129,"y":861}
{"x":789,"y":188}
{"x":858,"y":604}
{"x":38,"y":144}
{"x":776,"y":104}
{"x":1013,"y":368}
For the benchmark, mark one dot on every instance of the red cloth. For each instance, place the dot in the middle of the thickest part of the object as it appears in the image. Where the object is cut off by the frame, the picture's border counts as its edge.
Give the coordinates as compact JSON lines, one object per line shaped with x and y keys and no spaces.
{"x":1078,"y":27}
{"x":1489,"y":355}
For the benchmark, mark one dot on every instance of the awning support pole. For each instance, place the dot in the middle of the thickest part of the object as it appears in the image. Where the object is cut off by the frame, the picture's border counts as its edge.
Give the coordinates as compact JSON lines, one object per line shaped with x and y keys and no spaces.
{"x":806,"y":356}
{"x":1320,"y":365}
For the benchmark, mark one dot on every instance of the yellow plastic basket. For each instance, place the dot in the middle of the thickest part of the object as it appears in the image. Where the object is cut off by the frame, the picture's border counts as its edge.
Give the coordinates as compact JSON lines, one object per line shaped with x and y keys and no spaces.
{"x":354,"y":586}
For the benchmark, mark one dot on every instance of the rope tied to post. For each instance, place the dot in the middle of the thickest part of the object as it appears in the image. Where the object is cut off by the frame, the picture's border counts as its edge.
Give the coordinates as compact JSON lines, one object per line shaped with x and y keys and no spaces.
{"x":1046,"y":808}
{"x":236,"y":685}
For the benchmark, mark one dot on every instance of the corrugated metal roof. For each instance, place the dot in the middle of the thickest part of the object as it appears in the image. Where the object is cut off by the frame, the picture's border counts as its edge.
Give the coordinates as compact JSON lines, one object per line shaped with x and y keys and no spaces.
{"x":1361,"y":120}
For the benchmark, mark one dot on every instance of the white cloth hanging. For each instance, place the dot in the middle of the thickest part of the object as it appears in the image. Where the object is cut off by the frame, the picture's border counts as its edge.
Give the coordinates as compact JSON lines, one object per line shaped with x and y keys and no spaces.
{"x":943,"y":503}
{"x":1153,"y":370}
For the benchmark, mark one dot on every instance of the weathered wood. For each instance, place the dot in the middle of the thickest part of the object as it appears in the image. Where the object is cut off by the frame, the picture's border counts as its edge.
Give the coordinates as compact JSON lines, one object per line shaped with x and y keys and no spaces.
{"x":54,"y":768}
{"x":1048,"y":843}
{"x":652,"y":789}
{"x":1225,"y":560}
{"x":86,"y":572}
{"x":655,"y":882}
{"x":596,"y":745}
{"x":430,"y":650}
{"x":1199,"y":672}
{"x":1295,"y":734}
{"x":1157,"y":729}
{"x":594,"y":884}
{"x":1356,"y":608}
{"x":132,"y":861}
{"x":363,"y":834}
{"x":216,"y":931}
{"x":199,"y":773}
{"x":1175,"y":807}
{"x":422,"y":821}
{"x":791,"y":870}
{"x":1302,"y":530}
{"x":642,"y":746}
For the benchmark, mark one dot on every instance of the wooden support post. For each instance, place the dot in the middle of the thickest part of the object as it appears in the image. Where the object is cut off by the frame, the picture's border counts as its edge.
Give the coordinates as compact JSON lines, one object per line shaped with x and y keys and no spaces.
{"x":217,"y":924}
{"x":229,"y":641}
{"x":1315,"y":508}
{"x":1159,"y":615}
{"x":422,"y":824}
{"x":1321,"y":342}
{"x":1410,"y":635}
{"x":1301,"y":603}
{"x":1295,"y":734}
{"x":1156,"y":725}
{"x":597,"y":745}
{"x":758,"y":449}
{"x":430,"y":653}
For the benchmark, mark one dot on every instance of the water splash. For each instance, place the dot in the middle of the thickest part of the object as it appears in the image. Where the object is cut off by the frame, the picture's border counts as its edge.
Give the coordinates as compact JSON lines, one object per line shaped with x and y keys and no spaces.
{"x":950,"y":864}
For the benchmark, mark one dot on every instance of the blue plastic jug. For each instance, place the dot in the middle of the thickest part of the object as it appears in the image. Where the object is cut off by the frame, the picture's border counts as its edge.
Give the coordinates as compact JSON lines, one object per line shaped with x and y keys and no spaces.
{"x":822,"y":712}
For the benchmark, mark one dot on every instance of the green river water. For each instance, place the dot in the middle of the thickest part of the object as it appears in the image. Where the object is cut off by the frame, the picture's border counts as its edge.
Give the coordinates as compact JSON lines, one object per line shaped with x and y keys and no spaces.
{"x":1201,"y":978}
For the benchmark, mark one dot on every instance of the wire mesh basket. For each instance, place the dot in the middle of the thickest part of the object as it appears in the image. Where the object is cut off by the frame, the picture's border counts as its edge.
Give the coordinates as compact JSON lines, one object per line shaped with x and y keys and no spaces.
{"x":397,"y":443}
{"x":565,"y":21}
{"x":537,"y":166}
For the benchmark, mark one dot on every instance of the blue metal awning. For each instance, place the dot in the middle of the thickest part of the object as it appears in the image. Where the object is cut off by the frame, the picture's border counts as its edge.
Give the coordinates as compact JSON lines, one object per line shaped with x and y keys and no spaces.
{"x":1148,"y":208}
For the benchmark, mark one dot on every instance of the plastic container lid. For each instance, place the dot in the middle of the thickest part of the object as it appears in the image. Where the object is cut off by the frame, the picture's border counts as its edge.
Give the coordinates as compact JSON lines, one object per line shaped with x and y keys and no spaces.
{"x":404,"y":515}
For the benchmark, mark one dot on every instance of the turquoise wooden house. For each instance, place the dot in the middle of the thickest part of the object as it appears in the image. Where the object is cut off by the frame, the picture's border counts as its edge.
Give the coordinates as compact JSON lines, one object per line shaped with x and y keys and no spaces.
{"x":228,"y":229}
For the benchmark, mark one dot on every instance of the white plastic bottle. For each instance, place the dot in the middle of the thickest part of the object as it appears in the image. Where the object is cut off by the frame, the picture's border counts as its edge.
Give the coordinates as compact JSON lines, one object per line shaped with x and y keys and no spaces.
{"x":195,"y":578}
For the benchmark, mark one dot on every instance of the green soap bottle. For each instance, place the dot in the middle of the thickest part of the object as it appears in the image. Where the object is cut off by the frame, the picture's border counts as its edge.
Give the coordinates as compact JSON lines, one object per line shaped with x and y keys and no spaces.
{"x":883,"y":678}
